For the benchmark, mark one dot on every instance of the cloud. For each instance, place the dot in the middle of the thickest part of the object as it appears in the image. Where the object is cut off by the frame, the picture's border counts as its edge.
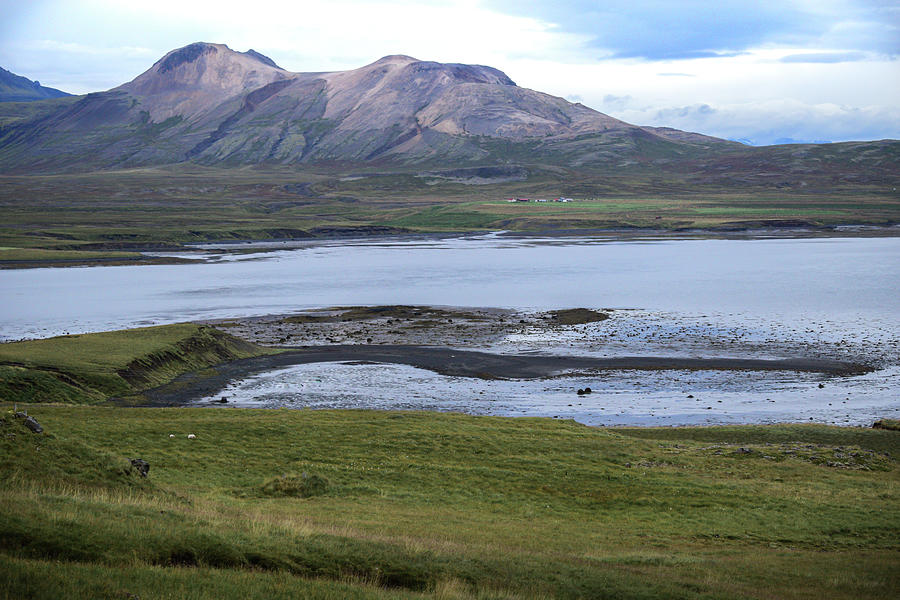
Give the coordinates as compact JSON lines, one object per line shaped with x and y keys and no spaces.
{"x":690,"y":29}
{"x":674,"y":75}
{"x":773,"y":122}
{"x":611,"y":102}
{"x":76,"y":67}
{"x":824,"y":57}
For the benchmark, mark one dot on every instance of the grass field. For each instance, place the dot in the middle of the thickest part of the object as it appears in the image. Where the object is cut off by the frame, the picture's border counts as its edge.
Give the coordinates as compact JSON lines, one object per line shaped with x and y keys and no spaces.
{"x":333,"y":504}
{"x":167,"y":207}
{"x":368,"y":504}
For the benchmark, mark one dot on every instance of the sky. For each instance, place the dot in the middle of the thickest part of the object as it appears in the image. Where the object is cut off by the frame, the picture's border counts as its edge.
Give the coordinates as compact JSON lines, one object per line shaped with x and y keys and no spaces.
{"x":762,"y":72}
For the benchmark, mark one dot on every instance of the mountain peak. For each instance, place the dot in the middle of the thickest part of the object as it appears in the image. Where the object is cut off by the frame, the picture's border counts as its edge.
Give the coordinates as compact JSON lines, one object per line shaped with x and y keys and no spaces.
{"x":199,"y":76}
{"x":208,"y":103}
{"x":395,"y":59}
{"x":187,"y":54}
{"x":193,"y":52}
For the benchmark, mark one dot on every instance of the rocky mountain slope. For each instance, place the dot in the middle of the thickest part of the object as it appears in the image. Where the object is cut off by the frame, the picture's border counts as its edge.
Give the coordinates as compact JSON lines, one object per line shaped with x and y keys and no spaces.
{"x":208,"y":104}
{"x":15,"y":88}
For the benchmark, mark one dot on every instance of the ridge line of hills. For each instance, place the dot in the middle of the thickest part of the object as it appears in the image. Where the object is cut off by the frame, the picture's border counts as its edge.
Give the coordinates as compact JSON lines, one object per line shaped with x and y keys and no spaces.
{"x":15,"y":88}
{"x":207,"y":104}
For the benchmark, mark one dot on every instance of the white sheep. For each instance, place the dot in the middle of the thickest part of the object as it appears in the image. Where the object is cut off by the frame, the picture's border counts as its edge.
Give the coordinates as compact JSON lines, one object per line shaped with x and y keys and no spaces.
{"x":171,"y":435}
{"x":191,"y":436}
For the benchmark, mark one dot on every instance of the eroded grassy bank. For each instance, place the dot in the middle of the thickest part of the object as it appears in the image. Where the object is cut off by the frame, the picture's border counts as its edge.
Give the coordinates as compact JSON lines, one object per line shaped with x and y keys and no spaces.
{"x":91,"y":368}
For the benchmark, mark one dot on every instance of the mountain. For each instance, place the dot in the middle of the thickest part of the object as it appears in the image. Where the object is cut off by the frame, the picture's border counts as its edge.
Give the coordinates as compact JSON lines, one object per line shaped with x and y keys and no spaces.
{"x":15,"y":88}
{"x":208,"y":104}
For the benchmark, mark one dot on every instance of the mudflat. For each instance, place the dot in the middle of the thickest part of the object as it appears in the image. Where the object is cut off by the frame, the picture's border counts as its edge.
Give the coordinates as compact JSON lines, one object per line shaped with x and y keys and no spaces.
{"x":467,"y":363}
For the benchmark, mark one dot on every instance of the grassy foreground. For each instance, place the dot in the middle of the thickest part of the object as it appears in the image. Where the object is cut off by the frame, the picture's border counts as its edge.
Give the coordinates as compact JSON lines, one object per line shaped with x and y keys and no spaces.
{"x":362,"y":504}
{"x":359,"y":504}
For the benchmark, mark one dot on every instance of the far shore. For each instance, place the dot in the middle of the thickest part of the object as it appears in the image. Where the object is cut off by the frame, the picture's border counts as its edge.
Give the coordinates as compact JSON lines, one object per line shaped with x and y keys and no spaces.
{"x":107,"y":254}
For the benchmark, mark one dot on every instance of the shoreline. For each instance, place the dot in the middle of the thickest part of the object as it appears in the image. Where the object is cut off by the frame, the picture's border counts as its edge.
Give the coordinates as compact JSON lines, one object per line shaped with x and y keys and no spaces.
{"x":156,"y":255}
{"x":192,"y":386}
{"x":755,"y":230}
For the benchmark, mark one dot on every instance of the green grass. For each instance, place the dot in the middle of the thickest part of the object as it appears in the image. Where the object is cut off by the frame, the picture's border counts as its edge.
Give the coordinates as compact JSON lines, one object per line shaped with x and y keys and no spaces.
{"x":870,"y":439}
{"x":93,"y":367}
{"x":35,"y":254}
{"x":167,"y":207}
{"x":440,"y":506}
{"x":438,"y":218}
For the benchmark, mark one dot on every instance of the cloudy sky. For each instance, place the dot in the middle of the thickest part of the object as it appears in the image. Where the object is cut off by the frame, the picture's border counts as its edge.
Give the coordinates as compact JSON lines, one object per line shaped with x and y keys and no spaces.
{"x":763,"y":71}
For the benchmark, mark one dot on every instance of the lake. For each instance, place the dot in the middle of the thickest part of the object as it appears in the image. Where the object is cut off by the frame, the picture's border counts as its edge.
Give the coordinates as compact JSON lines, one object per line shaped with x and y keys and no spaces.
{"x":845,"y":279}
{"x":832,"y":296}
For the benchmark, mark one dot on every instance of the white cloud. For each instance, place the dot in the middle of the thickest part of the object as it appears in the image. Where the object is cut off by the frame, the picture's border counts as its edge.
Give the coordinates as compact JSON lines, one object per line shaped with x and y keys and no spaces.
{"x":775,"y":121}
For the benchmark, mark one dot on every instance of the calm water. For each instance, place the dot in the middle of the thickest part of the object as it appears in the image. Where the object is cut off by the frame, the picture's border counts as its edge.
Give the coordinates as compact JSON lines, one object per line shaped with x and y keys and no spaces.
{"x":618,"y":398}
{"x":835,"y":297}
{"x":848,"y":280}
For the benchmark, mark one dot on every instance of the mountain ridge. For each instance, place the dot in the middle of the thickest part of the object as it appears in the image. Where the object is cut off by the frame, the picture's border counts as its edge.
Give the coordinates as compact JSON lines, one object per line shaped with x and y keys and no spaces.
{"x":16,"y":88}
{"x":211,"y":105}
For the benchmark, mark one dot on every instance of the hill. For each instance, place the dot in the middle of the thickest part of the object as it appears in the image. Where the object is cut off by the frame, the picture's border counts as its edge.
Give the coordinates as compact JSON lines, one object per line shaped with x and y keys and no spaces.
{"x":15,"y":88}
{"x":397,"y":145}
{"x":208,"y":104}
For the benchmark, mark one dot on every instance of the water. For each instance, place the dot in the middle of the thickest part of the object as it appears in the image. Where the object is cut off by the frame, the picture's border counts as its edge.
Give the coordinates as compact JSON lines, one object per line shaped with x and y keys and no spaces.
{"x":840,"y":279}
{"x":617,"y":398}
{"x":834,"y":297}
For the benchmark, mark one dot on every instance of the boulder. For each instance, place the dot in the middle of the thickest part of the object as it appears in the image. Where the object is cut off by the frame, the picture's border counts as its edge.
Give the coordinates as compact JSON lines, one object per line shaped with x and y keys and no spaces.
{"x":142,"y":466}
{"x":30,"y":422}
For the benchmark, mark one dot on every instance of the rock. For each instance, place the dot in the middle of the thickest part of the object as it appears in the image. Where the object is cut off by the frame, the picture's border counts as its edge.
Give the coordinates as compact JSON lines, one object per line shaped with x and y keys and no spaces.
{"x":587,"y":390}
{"x":30,"y":422}
{"x":580,"y":392}
{"x":223,"y":400}
{"x":142,"y":466}
{"x":745,"y":450}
